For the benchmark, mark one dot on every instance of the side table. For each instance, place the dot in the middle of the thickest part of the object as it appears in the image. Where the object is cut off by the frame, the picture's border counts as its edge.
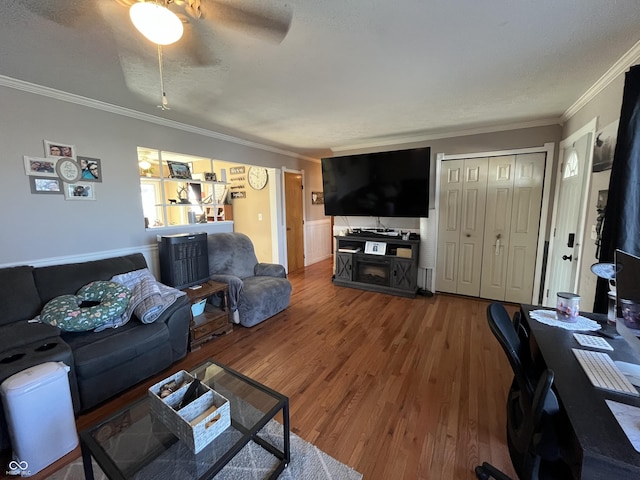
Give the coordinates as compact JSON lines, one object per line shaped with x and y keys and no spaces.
{"x":214,"y":320}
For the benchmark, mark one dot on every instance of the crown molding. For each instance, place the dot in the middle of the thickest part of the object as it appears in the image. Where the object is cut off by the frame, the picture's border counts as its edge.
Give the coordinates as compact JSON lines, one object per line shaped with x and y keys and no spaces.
{"x":543,"y":122}
{"x":145,"y":117}
{"x":621,"y":66}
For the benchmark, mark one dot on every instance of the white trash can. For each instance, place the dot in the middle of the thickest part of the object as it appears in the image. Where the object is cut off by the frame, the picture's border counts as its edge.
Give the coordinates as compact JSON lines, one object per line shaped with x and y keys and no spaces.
{"x":39,"y":412}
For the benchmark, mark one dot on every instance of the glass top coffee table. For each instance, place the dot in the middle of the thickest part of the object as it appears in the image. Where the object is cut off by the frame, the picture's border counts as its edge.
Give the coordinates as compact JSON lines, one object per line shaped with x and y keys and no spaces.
{"x":134,"y":444}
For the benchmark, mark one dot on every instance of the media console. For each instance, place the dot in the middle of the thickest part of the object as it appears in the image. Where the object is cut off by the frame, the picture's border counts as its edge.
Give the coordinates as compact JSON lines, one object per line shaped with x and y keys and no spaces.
{"x":395,"y":272}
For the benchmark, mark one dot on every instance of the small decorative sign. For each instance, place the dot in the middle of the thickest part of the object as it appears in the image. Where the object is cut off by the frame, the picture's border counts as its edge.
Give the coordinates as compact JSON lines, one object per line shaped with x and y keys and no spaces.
{"x":236,"y":170}
{"x":242,"y":194}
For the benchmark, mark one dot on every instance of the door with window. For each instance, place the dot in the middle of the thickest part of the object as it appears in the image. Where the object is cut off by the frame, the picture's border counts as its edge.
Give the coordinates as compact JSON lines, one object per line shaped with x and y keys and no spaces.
{"x":567,"y":235}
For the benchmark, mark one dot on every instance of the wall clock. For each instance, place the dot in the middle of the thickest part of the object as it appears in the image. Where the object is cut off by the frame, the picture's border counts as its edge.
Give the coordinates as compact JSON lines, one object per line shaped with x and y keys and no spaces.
{"x":257,"y":177}
{"x":68,"y":170}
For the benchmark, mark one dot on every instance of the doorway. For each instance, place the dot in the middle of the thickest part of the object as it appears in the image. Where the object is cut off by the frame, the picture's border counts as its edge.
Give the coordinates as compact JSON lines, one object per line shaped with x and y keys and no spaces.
{"x":294,"y":220}
{"x":569,"y":213}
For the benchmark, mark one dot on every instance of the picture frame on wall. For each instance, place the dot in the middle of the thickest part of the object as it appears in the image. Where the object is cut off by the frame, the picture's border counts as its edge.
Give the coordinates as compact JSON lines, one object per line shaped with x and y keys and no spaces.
{"x":45,"y":185}
{"x":179,"y":170}
{"x":604,"y":147}
{"x":317,"y":198}
{"x":58,"y":149}
{"x":79,"y":191}
{"x":40,"y":167}
{"x":91,"y":169}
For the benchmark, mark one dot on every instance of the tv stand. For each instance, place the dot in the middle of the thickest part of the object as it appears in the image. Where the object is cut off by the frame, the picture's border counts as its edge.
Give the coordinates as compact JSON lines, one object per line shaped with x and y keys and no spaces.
{"x":395,"y":272}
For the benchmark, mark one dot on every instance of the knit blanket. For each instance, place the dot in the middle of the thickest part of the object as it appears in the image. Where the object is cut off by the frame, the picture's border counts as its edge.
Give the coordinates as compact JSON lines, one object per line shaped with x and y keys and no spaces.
{"x":149,"y":298}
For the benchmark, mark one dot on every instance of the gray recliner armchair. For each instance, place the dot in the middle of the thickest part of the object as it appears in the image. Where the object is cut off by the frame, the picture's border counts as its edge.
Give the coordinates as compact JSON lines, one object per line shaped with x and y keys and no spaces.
{"x":257,"y":291}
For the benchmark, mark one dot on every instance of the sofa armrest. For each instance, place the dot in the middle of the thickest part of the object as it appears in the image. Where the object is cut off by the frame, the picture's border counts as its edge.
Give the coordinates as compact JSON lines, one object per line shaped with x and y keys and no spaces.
{"x":18,"y":334}
{"x":177,"y":318}
{"x":270,"y":270}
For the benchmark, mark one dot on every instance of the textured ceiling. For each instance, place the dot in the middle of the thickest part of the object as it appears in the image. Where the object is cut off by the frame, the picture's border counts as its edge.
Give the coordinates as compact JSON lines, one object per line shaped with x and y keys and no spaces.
{"x":347,"y":72}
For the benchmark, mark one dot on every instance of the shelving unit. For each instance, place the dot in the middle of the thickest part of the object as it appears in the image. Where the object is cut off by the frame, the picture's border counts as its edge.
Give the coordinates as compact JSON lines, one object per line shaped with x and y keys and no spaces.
{"x":169,"y":199}
{"x":395,"y":272}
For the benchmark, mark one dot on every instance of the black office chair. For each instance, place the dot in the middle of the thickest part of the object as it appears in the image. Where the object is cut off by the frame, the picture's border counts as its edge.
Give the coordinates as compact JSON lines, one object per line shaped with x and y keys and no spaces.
{"x":531,"y":432}
{"x":532,"y":408}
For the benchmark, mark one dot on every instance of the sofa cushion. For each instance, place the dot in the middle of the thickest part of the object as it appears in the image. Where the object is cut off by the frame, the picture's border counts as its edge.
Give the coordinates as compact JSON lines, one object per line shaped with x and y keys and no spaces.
{"x":261,"y":298}
{"x":95,"y":352}
{"x":57,"y":280}
{"x":19,"y":297}
{"x":231,"y":254}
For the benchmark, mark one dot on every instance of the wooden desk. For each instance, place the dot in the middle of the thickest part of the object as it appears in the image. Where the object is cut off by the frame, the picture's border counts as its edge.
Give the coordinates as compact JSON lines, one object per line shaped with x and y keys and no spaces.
{"x":602,"y":449}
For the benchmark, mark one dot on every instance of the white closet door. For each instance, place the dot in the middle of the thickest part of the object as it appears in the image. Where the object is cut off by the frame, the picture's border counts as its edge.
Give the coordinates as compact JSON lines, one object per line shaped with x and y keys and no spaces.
{"x":525,"y":223}
{"x":474,"y":195}
{"x":497,"y":230}
{"x":451,"y":177}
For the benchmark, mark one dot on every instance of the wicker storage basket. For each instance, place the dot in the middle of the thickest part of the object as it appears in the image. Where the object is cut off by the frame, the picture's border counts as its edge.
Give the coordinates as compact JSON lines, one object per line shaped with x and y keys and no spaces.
{"x":199,"y":422}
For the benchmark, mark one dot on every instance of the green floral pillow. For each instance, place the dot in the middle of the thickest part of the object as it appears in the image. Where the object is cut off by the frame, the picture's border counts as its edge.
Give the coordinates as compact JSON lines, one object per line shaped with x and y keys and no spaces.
{"x":72,"y":313}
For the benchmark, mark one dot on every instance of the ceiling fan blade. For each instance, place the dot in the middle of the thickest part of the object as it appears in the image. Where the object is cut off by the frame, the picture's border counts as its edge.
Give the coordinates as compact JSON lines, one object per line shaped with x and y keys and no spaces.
{"x":195,"y":46}
{"x":270,"y":22}
{"x":62,"y":12}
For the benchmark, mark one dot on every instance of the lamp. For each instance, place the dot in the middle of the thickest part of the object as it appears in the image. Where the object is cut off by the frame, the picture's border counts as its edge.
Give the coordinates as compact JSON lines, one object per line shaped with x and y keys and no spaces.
{"x":145,"y":166}
{"x":156,"y":22}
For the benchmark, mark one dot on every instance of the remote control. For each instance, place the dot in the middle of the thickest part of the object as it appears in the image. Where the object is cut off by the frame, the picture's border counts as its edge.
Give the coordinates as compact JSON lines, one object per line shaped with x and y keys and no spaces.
{"x":190,"y":395}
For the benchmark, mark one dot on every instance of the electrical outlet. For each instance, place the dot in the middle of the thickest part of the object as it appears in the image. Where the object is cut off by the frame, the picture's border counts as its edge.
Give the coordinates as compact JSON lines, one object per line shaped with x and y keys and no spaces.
{"x":259,"y":217}
{"x":594,"y":234}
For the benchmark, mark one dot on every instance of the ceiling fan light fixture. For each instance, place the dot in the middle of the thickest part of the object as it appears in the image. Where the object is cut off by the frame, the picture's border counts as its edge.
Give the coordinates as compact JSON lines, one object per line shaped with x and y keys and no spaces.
{"x":157,"y":23}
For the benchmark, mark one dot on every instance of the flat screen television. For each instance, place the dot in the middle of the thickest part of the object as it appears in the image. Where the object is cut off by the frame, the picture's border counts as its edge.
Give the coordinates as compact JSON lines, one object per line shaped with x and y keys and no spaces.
{"x":382,"y":184}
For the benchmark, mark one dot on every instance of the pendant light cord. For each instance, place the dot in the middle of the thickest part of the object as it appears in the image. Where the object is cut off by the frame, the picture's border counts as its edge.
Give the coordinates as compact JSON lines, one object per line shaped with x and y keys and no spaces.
{"x":164,"y":105}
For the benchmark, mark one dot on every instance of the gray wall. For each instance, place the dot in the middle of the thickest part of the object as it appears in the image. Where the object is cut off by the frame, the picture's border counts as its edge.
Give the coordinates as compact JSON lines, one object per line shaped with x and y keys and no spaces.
{"x":39,"y":227}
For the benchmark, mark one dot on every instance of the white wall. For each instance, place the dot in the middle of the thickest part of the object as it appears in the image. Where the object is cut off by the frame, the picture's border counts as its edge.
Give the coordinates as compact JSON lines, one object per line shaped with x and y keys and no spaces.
{"x":38,"y":227}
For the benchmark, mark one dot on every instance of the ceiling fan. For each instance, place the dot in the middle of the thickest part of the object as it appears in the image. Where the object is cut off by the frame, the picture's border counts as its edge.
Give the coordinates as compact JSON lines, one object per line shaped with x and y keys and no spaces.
{"x":199,"y":19}
{"x":266,"y":20}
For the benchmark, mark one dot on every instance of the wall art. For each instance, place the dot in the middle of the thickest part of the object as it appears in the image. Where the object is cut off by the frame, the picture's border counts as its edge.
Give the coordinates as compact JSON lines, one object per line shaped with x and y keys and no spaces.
{"x":604,"y":147}
{"x":179,"y":170}
{"x":91,"y":169}
{"x":79,"y":191}
{"x":41,"y":167}
{"x":317,"y":198}
{"x":45,"y":185}
{"x":57,"y":149}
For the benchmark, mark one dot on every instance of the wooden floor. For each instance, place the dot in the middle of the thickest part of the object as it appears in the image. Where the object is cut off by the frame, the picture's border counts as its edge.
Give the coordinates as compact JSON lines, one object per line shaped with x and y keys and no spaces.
{"x":396,"y":388}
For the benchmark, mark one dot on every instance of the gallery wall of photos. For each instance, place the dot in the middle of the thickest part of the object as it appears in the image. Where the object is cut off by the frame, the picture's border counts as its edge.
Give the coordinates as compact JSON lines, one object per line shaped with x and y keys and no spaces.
{"x":62,"y":172}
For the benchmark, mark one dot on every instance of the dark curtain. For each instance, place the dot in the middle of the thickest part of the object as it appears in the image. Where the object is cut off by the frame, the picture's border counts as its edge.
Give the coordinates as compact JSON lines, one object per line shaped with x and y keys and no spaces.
{"x":622,"y":215}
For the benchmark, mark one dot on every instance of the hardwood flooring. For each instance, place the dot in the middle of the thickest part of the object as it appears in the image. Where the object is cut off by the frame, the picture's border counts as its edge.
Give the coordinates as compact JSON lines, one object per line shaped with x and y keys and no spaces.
{"x":396,"y":388}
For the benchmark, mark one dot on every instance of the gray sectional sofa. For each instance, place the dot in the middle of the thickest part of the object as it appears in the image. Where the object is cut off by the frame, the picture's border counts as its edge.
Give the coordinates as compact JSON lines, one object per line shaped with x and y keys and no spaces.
{"x":103,"y":363}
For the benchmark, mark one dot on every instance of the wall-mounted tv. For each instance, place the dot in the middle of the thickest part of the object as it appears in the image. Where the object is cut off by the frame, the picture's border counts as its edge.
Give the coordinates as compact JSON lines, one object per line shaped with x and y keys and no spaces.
{"x":382,"y":184}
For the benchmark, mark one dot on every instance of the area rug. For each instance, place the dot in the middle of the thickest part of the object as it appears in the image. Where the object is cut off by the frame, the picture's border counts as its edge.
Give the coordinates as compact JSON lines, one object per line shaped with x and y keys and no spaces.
{"x":252,"y":463}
